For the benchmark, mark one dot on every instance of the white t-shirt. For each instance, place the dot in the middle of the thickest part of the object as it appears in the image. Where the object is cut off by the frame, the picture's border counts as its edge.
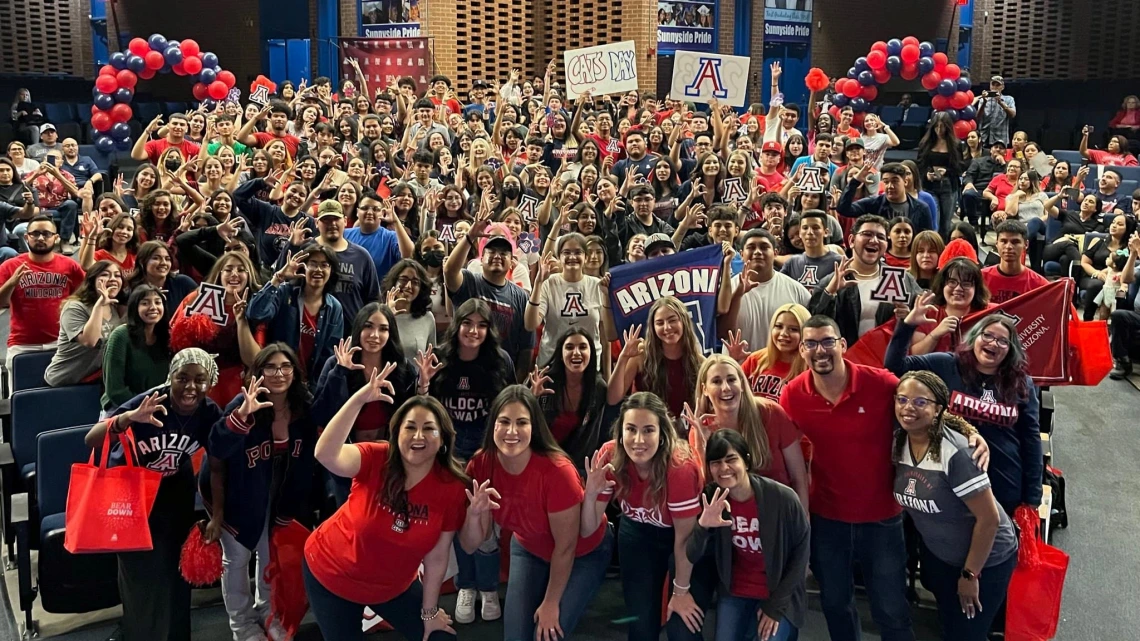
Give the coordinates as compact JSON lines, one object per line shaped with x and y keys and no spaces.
{"x":564,"y":305}
{"x":869,"y":307}
{"x":758,"y":305}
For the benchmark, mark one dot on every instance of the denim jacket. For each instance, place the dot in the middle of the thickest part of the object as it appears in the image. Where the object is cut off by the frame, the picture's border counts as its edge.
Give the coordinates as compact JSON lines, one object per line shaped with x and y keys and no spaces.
{"x":280,"y":309}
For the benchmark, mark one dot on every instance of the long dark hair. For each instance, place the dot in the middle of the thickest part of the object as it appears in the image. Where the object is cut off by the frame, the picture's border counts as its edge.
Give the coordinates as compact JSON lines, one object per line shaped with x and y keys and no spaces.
{"x":671,"y":449}
{"x":395,"y":495}
{"x":391,"y":352}
{"x":87,"y":294}
{"x":674,"y":180}
{"x":297,"y":396}
{"x":419,"y":305}
{"x":541,"y":439}
{"x":105,"y":241}
{"x":940,"y":121}
{"x":590,"y":378}
{"x":489,"y":359}
{"x":146,"y":251}
{"x":146,"y":216}
{"x":412,"y":219}
{"x":1012,"y":376}
{"x":136,"y":328}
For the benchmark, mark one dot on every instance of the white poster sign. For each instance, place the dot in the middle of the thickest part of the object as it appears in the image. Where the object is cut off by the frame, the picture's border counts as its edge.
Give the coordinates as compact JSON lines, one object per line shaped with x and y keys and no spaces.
{"x":601,"y":70}
{"x":700,"y":77}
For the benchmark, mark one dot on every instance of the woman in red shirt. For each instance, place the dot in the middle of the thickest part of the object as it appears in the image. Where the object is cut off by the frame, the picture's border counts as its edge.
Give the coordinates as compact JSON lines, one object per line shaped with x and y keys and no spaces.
{"x":117,"y":242}
{"x":724,"y":401}
{"x":958,"y":290}
{"x":768,"y":369}
{"x":406,"y":504}
{"x":758,"y":535}
{"x":901,"y":232}
{"x":648,"y":469}
{"x":555,"y":573}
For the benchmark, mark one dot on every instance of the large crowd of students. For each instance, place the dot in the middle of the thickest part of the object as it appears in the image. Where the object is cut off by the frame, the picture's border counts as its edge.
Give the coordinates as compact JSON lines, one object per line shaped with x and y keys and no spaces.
{"x":405,"y":341}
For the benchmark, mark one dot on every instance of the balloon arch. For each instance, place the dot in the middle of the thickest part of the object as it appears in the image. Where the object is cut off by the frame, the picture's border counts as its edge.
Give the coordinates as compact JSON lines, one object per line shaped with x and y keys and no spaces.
{"x":115,"y":86}
{"x":910,"y":59}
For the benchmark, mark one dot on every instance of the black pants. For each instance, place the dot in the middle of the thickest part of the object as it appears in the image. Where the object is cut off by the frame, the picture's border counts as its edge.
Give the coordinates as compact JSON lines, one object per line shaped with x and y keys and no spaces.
{"x":646,"y":553}
{"x":1090,"y":287}
{"x":1064,"y":253}
{"x":1125,"y":337}
{"x":941,"y":578}
{"x":156,"y":600}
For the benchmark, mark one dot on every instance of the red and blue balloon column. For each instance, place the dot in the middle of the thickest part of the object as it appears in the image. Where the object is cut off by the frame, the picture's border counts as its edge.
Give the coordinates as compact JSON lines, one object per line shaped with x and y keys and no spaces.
{"x":115,"y":86}
{"x":910,"y":59}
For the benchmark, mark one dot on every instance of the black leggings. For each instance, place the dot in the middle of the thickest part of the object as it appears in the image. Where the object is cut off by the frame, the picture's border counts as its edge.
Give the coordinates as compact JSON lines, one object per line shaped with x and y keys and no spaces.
{"x":1064,"y":253}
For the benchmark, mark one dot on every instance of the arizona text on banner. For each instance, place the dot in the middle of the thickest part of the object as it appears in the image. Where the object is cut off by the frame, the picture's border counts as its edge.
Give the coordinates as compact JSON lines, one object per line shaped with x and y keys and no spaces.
{"x":700,"y":77}
{"x":601,"y":70}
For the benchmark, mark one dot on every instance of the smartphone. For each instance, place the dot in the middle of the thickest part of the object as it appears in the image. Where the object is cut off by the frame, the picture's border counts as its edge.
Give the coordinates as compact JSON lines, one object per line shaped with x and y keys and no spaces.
{"x":1090,"y":128}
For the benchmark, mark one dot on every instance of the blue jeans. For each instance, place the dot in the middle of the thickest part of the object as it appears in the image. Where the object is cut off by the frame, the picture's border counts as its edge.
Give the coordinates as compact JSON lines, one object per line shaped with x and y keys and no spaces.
{"x":527,"y":587}
{"x":881,"y":552}
{"x":339,"y":618}
{"x":942,"y":579}
{"x":7,"y":252}
{"x":738,"y":619}
{"x":65,"y":217}
{"x":479,"y":570}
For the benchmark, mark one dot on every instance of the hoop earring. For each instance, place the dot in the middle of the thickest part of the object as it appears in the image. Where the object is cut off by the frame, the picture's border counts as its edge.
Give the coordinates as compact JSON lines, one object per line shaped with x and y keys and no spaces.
{"x":444,"y":449}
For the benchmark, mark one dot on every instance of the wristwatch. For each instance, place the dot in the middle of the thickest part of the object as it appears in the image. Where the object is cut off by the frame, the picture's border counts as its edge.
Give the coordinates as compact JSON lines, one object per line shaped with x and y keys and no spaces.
{"x":968,"y":575}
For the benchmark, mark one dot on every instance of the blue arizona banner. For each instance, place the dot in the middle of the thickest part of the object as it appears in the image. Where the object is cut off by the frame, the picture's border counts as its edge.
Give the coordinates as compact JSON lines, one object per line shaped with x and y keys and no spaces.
{"x":692,"y":276}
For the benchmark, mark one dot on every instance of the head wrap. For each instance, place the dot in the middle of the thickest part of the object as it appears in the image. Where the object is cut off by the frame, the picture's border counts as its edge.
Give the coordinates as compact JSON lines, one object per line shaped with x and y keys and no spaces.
{"x":193,"y":356}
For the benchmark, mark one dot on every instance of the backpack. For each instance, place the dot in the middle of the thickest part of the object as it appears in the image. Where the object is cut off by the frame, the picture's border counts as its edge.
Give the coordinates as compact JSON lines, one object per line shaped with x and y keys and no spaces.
{"x":1055,"y":479}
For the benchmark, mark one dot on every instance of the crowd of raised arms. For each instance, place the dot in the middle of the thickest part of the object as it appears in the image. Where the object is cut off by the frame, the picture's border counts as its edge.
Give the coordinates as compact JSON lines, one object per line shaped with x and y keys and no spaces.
{"x":408,"y":311}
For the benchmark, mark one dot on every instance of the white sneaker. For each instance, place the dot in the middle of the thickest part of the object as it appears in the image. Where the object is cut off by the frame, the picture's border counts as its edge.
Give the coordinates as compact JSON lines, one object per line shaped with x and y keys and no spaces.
{"x":276,"y":632}
{"x":256,"y":635}
{"x":491,"y":608}
{"x":465,"y":606}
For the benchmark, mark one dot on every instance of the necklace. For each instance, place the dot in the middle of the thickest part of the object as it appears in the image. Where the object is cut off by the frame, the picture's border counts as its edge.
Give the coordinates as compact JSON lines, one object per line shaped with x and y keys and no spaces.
{"x":917,"y":459}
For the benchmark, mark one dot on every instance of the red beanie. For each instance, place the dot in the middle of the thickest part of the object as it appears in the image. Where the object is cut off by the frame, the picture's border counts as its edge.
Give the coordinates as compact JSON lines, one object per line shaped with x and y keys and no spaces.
{"x":957,"y":248}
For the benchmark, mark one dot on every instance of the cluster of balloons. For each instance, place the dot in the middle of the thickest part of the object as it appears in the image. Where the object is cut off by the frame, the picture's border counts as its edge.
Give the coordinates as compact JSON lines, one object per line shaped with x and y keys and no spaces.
{"x":910,"y":59}
{"x":115,"y":86}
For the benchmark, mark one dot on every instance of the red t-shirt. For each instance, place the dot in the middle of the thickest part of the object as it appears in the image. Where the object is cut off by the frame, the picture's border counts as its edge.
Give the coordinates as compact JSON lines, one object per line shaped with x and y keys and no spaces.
{"x":292,"y":143}
{"x":682,"y":492}
{"x":361,"y":553}
{"x":780,"y":431}
{"x":155,"y":148}
{"x":308,"y":337}
{"x":1106,"y":158}
{"x":852,"y":473}
{"x":1003,"y":287}
{"x":453,"y":105}
{"x":373,"y":416}
{"x":679,"y":390}
{"x":37,"y":296}
{"x":895,"y":261}
{"x":608,"y":147}
{"x":946,"y":343}
{"x":127,"y":264}
{"x":548,"y":484}
{"x":766,"y":383}
{"x":772,"y":182}
{"x":749,"y":578}
{"x":1000,"y":187}
{"x":563,"y":425}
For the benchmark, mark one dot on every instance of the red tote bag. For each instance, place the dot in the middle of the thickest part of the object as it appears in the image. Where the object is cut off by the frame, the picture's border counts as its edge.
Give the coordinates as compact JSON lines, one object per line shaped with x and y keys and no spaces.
{"x":1033,"y":601}
{"x":1090,"y":357}
{"x":108,"y":508}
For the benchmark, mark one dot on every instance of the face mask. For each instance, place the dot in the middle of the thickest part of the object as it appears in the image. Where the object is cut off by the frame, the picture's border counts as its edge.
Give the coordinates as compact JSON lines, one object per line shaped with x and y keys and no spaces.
{"x":511,"y":192}
{"x":173,"y":163}
{"x":433,"y":259}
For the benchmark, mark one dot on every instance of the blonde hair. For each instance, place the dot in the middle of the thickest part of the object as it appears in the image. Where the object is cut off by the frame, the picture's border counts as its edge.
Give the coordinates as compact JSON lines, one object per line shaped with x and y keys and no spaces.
{"x":654,"y":368}
{"x":769,"y":355}
{"x":748,"y":420}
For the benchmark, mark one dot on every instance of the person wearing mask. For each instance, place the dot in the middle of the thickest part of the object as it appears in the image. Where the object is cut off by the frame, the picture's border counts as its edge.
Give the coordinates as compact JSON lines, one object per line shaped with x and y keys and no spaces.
{"x":817,"y":261}
{"x":279,"y":114}
{"x":894,"y":202}
{"x":555,"y":570}
{"x":272,"y":225}
{"x":648,"y":470}
{"x":385,"y":246}
{"x":981,"y":171}
{"x":754,"y":531}
{"x":995,"y":111}
{"x":759,"y":289}
{"x":86,"y":320}
{"x":969,"y":546}
{"x":151,"y":151}
{"x":49,"y":141}
{"x":408,"y":499}
{"x":174,"y":421}
{"x":408,"y":292}
{"x":81,"y":168}
{"x":245,"y":494}
{"x":989,"y":386}
{"x":1011,"y":277}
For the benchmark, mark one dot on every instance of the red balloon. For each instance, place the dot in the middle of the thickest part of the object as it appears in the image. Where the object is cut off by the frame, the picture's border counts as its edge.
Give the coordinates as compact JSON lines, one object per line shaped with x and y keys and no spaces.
{"x":910,"y":40}
{"x":107,"y":70}
{"x":95,"y":110}
{"x":909,"y":71}
{"x":940,"y":60}
{"x":962,"y":128}
{"x":192,"y":65}
{"x":857,"y":119}
{"x":121,"y":112}
{"x":147,"y":74}
{"x":881,"y":75}
{"x":154,"y":60}
{"x":227,"y":78}
{"x":959,"y":100}
{"x":200,"y":91}
{"x":869,"y":93}
{"x":970,"y":95}
{"x":190,"y":48}
{"x":940,"y":103}
{"x":127,"y":78}
{"x":952,"y":72}
{"x":931,"y":80}
{"x":217,"y":90}
{"x":852,"y":88}
{"x":876,"y":59}
{"x":910,"y":53}
{"x":101,"y":121}
{"x":178,"y":69}
{"x":879,"y":46}
{"x":834,"y":111}
{"x":139,"y":47}
{"x":107,"y":84}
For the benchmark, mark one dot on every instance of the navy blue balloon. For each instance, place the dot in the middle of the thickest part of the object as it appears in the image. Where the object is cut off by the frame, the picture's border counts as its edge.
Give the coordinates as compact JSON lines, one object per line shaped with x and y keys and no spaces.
{"x":120,"y":131}
{"x":135,"y":63}
{"x":104,"y":101}
{"x":840,"y":100}
{"x":866,"y":78}
{"x":967,"y":113}
{"x":858,"y":104}
{"x":123,"y":145}
{"x":207,"y":75}
{"x":852,"y":73}
{"x":210,"y":104}
{"x":157,"y":42}
{"x":894,"y":47}
{"x":122,"y":95}
{"x":925,"y":49}
{"x":963,"y":84}
{"x":173,"y":55}
{"x":894,"y":64}
{"x":105,"y":144}
{"x":209,"y":60}
{"x":861,"y":64}
{"x":118,"y":60}
{"x":953,"y":113}
{"x":173,"y":43}
{"x":165,"y":70}
{"x":947,"y":88}
{"x":925,"y":65}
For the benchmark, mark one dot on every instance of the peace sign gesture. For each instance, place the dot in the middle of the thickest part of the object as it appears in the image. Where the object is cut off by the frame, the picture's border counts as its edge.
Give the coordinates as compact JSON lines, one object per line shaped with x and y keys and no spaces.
{"x":538,"y":380}
{"x":596,"y":474}
{"x":249,"y":400}
{"x":737,"y":348}
{"x":240,"y":304}
{"x":429,"y":365}
{"x":146,"y":412}
{"x":343,"y":352}
{"x":713,"y":513}
{"x":481,"y":497}
{"x":377,"y":383}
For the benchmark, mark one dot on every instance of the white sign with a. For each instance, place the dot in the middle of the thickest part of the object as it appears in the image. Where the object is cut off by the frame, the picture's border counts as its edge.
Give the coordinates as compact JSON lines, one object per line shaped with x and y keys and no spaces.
{"x":700,"y":77}
{"x":601,"y":70}
{"x":810,"y":180}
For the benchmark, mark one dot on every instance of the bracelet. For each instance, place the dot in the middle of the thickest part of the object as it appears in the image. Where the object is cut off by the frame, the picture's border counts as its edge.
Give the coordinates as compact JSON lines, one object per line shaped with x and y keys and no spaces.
{"x":531,"y":302}
{"x":682,"y":588}
{"x":429,"y":614}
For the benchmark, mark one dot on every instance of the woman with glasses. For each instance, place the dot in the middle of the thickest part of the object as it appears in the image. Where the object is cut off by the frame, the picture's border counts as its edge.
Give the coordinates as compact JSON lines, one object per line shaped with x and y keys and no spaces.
{"x":987,"y":375}
{"x":969,"y":544}
{"x":407,"y":289}
{"x":958,"y":290}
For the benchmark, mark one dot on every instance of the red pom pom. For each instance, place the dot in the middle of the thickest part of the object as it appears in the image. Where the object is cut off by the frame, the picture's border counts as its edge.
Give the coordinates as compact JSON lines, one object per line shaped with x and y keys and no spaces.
{"x":191,"y":331}
{"x":287,"y":599}
{"x":816,"y":80}
{"x":200,"y":561}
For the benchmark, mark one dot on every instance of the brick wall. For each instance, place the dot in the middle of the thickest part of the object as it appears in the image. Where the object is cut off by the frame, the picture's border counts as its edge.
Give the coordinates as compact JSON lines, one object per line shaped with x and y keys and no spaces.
{"x":46,"y":37}
{"x":845,"y":30}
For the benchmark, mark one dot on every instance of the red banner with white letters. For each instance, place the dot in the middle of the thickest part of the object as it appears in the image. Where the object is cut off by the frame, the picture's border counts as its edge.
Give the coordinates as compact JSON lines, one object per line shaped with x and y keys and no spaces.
{"x":383,"y":61}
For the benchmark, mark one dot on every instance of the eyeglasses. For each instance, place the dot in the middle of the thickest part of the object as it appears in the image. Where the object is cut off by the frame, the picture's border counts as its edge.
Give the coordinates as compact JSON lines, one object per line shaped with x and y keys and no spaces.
{"x":870,"y":234}
{"x":993,"y":338}
{"x":371,"y":208}
{"x":317,"y":267}
{"x":954,"y":283}
{"x":919,"y":402}
{"x":571,"y":253}
{"x":407,"y":282}
{"x":827,"y":343}
{"x":284,"y":369}
{"x":41,"y":235}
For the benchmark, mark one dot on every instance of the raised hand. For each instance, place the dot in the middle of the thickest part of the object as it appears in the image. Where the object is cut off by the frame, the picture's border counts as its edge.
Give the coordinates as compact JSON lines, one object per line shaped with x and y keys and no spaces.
{"x":946,"y":326}
{"x":249,"y":401}
{"x":538,"y":380}
{"x":923,"y":308}
{"x":481,"y":497}
{"x":377,"y":384}
{"x":737,"y":348}
{"x":343,"y":352}
{"x":229,"y":229}
{"x":713,"y":513}
{"x":633,"y":346}
{"x":398,"y":304}
{"x":154,"y":124}
{"x":293,"y":268}
{"x":146,"y":412}
{"x":839,"y":278}
{"x":597,"y":469}
{"x":429,"y":365}
{"x":240,"y":305}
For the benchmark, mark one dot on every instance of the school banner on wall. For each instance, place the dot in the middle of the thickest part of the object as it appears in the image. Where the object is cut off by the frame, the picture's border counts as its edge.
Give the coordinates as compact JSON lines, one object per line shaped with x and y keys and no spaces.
{"x":385,"y":60}
{"x":689,"y":26}
{"x":691,"y":276}
{"x":789,"y":23}
{"x":700,"y":77}
{"x":389,"y":18}
{"x":601,"y":70}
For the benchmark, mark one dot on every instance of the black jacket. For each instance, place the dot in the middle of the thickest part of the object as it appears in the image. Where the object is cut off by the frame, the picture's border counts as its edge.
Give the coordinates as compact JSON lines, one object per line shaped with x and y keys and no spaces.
{"x":982,"y":171}
{"x":919,"y":214}
{"x":846,"y":307}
